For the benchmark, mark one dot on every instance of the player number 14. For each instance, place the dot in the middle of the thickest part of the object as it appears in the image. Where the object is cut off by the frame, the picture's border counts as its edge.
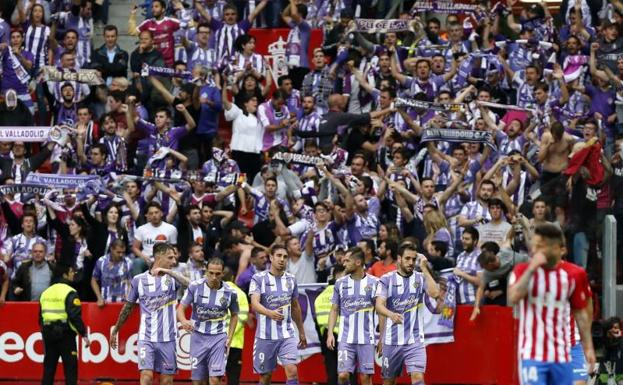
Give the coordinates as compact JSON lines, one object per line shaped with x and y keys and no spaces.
{"x":529,"y":374}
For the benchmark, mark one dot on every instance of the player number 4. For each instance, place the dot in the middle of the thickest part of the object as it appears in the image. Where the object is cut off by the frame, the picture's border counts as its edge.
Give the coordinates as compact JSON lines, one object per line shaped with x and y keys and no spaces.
{"x":529,"y":374}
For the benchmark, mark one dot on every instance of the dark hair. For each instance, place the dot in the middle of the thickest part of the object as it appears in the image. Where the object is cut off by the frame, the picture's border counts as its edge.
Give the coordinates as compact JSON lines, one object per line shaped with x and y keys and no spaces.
{"x":497,"y":202}
{"x":117,"y":242}
{"x":216,"y":261}
{"x":441,"y":247}
{"x":162,"y":248}
{"x":111,"y":28}
{"x":557,"y":130}
{"x":277,"y":246}
{"x":61,"y":269}
{"x":406,"y":247}
{"x":542,"y":86}
{"x":255,"y":251}
{"x":165,"y":110}
{"x":368,"y":183}
{"x":32,"y":215}
{"x":118,"y":95}
{"x":282,"y":79}
{"x":152,"y":204}
{"x":357,"y":253}
{"x":242,"y":40}
{"x":71,"y":30}
{"x":489,"y":182}
{"x":230,"y":6}
{"x":302,"y":10}
{"x":42,"y":13}
{"x":273,"y":178}
{"x":488,"y":253}
{"x":550,"y":232}
{"x":84,"y":226}
{"x":162,"y":3}
{"x":609,"y":323}
{"x":117,"y":224}
{"x":110,"y":116}
{"x":392,"y":246}
{"x":390,"y":90}
{"x":278,"y":95}
{"x":101,"y":147}
{"x":369,"y":244}
{"x":471,"y":230}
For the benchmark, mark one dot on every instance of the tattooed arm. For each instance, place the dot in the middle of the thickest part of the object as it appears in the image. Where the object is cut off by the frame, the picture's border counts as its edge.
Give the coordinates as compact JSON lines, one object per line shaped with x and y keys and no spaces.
{"x":182,"y":280}
{"x":123,"y":316}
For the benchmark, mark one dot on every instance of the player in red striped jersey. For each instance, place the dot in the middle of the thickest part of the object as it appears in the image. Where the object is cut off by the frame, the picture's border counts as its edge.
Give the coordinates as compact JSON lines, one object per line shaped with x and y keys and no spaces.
{"x":548,"y":291}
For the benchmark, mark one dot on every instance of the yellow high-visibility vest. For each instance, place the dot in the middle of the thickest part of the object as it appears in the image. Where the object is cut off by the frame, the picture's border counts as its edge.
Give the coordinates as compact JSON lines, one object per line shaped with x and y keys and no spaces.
{"x":237,"y":340}
{"x":53,"y":304}
{"x":323,"y":305}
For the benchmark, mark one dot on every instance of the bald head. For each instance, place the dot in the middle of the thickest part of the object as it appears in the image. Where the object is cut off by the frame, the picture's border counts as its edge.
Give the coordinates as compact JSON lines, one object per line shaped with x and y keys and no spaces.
{"x":336,"y":101}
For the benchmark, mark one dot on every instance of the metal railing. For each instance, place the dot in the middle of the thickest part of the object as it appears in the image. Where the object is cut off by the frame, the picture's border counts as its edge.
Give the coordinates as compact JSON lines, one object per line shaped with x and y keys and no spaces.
{"x":609,"y":253}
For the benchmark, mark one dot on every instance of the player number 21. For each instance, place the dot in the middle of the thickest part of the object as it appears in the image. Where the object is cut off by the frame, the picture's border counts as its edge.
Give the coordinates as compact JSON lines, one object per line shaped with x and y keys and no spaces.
{"x":342,"y":355}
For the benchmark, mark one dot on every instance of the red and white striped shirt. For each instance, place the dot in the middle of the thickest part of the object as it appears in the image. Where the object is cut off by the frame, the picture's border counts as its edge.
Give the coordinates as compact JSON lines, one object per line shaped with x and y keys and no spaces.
{"x":545,"y":331}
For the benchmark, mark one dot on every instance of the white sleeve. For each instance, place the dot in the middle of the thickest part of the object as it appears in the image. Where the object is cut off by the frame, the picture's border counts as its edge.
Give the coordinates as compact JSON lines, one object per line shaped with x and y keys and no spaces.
{"x":232,"y":113}
{"x":298,"y":228}
{"x":173,"y":237}
{"x":261,"y":115}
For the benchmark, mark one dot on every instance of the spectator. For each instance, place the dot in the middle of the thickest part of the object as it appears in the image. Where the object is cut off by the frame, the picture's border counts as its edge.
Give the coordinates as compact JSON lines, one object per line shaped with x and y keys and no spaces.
{"x":110,"y":59}
{"x":257,"y":262}
{"x":147,"y":235}
{"x":496,"y":229}
{"x":33,"y":276}
{"x":112,"y":274}
{"x":387,"y":252}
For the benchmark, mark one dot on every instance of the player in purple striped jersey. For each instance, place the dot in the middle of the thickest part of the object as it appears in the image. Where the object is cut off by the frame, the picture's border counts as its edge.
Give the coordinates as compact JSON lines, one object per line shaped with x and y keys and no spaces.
{"x":213,"y":302}
{"x":274,"y":297}
{"x":399,"y":295}
{"x":353,"y":299}
{"x":156,"y":293}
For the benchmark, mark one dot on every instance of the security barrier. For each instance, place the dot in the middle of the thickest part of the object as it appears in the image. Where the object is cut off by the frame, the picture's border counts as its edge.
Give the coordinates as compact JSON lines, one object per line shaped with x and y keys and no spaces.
{"x":483,"y":351}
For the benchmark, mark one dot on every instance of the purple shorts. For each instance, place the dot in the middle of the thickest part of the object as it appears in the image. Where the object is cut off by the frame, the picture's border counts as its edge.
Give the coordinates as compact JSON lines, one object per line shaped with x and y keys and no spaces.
{"x":349,"y":354}
{"x":207,"y":355}
{"x":413,"y":356}
{"x":159,"y":357}
{"x":266,"y":353}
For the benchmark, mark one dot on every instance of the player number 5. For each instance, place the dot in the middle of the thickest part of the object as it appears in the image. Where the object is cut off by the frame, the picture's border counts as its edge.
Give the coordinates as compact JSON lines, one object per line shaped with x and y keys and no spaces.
{"x":143,"y":353}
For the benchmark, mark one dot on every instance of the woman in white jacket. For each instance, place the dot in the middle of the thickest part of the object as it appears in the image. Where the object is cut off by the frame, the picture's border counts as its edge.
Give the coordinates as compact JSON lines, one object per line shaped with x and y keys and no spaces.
{"x":247,"y":134}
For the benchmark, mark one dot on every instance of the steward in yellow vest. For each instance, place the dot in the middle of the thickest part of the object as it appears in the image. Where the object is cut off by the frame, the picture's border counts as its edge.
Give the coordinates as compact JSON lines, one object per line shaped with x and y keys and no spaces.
{"x":61,"y":319}
{"x":234,"y":359}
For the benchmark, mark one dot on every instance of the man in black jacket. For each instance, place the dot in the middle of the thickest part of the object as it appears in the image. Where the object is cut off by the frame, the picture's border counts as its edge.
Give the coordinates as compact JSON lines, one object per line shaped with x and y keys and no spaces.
{"x":110,"y":59}
{"x":33,"y":276}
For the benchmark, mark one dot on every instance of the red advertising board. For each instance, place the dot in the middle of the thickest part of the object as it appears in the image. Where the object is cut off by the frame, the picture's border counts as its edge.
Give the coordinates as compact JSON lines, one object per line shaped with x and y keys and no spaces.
{"x":483,"y":351}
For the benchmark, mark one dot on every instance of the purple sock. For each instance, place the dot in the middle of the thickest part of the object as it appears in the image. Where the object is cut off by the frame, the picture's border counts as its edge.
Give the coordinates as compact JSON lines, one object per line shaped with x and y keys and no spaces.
{"x":294,"y":381}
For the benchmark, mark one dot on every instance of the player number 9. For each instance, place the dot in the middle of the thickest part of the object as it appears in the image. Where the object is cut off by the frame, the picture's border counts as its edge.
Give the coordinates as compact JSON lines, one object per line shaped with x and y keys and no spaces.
{"x":261,"y":357}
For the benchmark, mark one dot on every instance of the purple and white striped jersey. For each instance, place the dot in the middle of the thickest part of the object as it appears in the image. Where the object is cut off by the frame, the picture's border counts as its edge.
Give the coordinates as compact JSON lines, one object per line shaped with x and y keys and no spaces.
{"x":114,"y":277}
{"x":18,"y":248}
{"x":36,"y":42}
{"x":205,"y":57}
{"x":276,"y":293}
{"x":355,"y":299}
{"x":267,"y":114}
{"x":211,"y":308}
{"x":225,"y":35}
{"x":404,"y":295}
{"x":467,"y":262}
{"x":262,"y":205}
{"x":85,"y":32}
{"x":157,"y":297}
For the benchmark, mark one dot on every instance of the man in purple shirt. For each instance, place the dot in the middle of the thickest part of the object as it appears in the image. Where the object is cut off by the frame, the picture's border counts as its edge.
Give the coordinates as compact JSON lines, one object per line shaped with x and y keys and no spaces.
{"x":156,"y":293}
{"x":274,"y":298}
{"x":159,"y":134}
{"x":298,"y":41}
{"x":213,"y":302}
{"x":16,"y":66}
{"x":399,"y":296}
{"x":257,"y":263}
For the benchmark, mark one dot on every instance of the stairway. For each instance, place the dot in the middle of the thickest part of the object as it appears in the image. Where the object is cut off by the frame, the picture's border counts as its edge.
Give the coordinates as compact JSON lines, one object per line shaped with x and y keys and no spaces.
{"x":118,"y":15}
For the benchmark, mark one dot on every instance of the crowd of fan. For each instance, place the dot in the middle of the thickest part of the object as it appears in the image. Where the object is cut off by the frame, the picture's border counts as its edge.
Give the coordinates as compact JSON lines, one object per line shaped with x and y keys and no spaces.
{"x":554,"y":155}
